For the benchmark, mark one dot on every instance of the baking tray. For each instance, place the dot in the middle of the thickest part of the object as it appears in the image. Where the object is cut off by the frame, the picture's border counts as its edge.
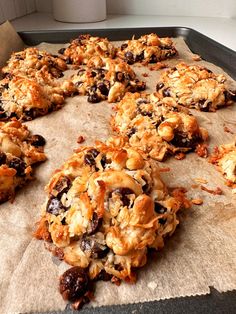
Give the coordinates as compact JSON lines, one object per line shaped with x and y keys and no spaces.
{"x":209,"y":50}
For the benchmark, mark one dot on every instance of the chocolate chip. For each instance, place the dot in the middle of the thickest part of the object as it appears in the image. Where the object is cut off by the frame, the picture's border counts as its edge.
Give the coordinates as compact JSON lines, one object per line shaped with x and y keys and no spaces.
{"x":90,"y":156}
{"x":103,"y":275}
{"x":182,"y":140}
{"x":81,"y":72}
{"x":129,"y":57}
{"x":103,"y":161}
{"x":93,"y":73}
{"x":230,"y":95}
{"x":94,"y":98}
{"x":94,"y":225}
{"x":55,"y":206}
{"x":103,"y":88}
{"x":68,"y":60}
{"x":6,"y":85}
{"x":162,"y":221}
{"x":30,"y":114}
{"x":61,"y":51}
{"x":2,"y":113}
{"x":95,"y":249}
{"x":74,"y":283}
{"x":140,"y":85}
{"x":120,"y":76}
{"x":131,"y":132}
{"x":3,"y":158}
{"x":153,"y":59}
{"x":203,"y":105}
{"x":141,"y":101}
{"x":39,"y":57}
{"x":123,"y":192}
{"x":19,"y":165}
{"x":160,"y":209}
{"x":159,"y":86}
{"x":123,"y":46}
{"x":37,"y":140}
{"x":166,"y":92}
{"x":62,"y":186}
{"x":140,"y":57}
{"x":79,"y":83}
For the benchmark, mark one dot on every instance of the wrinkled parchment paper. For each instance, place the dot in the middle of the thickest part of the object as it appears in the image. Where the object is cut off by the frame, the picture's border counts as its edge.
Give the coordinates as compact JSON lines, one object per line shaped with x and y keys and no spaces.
{"x":201,"y":253}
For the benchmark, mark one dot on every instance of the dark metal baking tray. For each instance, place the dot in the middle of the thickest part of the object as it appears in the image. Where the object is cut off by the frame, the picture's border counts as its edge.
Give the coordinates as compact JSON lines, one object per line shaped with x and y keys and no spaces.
{"x":209,"y":50}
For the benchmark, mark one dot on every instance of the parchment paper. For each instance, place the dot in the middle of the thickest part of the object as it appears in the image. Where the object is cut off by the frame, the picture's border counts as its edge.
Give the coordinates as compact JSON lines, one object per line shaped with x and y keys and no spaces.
{"x":201,"y":253}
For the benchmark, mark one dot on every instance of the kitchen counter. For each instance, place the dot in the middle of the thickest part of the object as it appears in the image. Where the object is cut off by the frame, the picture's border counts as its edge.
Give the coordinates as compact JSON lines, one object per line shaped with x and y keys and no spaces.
{"x":219,"y":29}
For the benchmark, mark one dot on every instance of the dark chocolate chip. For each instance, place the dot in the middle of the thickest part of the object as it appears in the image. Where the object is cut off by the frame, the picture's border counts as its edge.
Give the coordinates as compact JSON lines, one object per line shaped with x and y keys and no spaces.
{"x":141,"y":101}
{"x":160,"y":209}
{"x":153,"y":59}
{"x":37,"y":140}
{"x":68,"y":60}
{"x":139,"y":57}
{"x":95,"y":249}
{"x":3,"y":158}
{"x":123,"y":192}
{"x":129,"y":57}
{"x":120,"y":76}
{"x":166,"y":92}
{"x":123,"y":46}
{"x":19,"y":165}
{"x":55,"y":206}
{"x":103,"y":161}
{"x":74,"y":283}
{"x":62,"y":186}
{"x":93,"y":73}
{"x":39,"y":57}
{"x":90,"y":156}
{"x":2,"y":113}
{"x":131,"y":132}
{"x":94,"y":98}
{"x":103,"y":275}
{"x":182,"y":140}
{"x":162,"y":221}
{"x":203,"y":105}
{"x":103,"y":88}
{"x":61,"y":51}
{"x":159,"y":86}
{"x":95,"y":224}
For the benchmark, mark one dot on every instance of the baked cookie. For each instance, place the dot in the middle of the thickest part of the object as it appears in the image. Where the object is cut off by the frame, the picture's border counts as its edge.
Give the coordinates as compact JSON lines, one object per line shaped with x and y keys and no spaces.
{"x":26,"y":98}
{"x":195,"y":86}
{"x":18,"y":151}
{"x":30,"y":60}
{"x":106,"y":206}
{"x":82,"y":49}
{"x":224,"y":158}
{"x":148,"y":49}
{"x":158,"y":127}
{"x":106,"y":79}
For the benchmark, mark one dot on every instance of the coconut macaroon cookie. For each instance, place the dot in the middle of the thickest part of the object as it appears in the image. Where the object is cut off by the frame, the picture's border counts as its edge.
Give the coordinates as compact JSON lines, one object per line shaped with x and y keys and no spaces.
{"x":31,"y":60}
{"x":105,"y":207}
{"x":106,"y":78}
{"x":85,"y":47}
{"x":224,"y":158}
{"x":27,"y":98}
{"x":157,"y":126}
{"x":148,"y":49}
{"x":19,"y":149}
{"x":196,"y":87}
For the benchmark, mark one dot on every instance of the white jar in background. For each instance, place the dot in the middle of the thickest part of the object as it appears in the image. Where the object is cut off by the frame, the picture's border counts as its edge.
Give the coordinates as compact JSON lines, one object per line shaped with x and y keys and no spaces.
{"x":79,"y":11}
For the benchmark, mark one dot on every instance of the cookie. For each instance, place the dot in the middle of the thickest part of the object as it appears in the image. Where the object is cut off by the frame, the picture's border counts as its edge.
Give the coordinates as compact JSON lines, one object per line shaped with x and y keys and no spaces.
{"x":82,"y":49}
{"x":157,"y":126}
{"x":148,"y":49}
{"x":26,"y":98}
{"x":105,"y":207}
{"x":224,"y":158}
{"x":31,"y":60}
{"x":19,"y":150}
{"x":106,"y":78}
{"x":196,"y":87}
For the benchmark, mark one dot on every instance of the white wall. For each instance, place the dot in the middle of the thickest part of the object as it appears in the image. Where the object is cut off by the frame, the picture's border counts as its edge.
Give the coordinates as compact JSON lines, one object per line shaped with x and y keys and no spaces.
{"x":215,"y":8}
{"x":10,"y":9}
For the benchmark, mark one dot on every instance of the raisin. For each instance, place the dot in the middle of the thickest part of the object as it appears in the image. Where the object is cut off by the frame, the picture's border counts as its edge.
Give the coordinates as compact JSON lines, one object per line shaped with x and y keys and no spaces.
{"x":159,"y":86}
{"x":89,"y":158}
{"x":129,"y":57}
{"x":140,"y":57}
{"x":182,"y":140}
{"x":95,"y":224}
{"x":166,"y":92}
{"x":120,"y":76}
{"x":95,"y":249}
{"x":19,"y":165}
{"x":123,"y":193}
{"x":103,"y":88}
{"x":61,"y":51}
{"x":103,"y":275}
{"x":140,"y":86}
{"x":94,"y":98}
{"x":62,"y":186}
{"x":37,"y":140}
{"x":123,"y":46}
{"x":74,"y":283}
{"x":159,"y":209}
{"x":3,"y":158}
{"x":55,"y":206}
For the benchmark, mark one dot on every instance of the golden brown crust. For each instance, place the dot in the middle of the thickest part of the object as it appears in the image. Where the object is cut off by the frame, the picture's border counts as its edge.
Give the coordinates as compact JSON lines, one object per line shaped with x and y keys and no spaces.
{"x":106,"y":79}
{"x":106,"y":206}
{"x":85,"y":47}
{"x":31,"y":60}
{"x":18,"y":151}
{"x":157,"y":126}
{"x":148,"y":49}
{"x":195,"y":86}
{"x":224,"y":158}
